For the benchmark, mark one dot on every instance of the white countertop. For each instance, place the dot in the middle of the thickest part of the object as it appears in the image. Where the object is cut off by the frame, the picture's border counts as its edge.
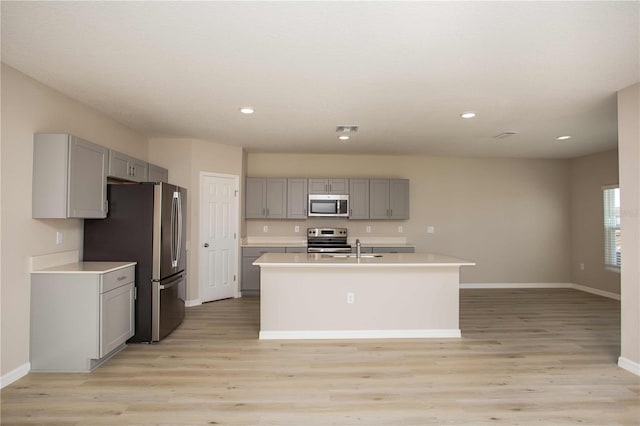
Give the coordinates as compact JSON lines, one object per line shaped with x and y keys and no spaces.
{"x":385,"y":260}
{"x":85,"y":268}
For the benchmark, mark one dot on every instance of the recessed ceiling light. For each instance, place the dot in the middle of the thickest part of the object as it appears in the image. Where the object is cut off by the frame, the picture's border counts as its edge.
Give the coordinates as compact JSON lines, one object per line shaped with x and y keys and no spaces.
{"x":343,"y":137}
{"x":468,"y":114}
{"x":247,"y":110}
{"x":563,"y":138}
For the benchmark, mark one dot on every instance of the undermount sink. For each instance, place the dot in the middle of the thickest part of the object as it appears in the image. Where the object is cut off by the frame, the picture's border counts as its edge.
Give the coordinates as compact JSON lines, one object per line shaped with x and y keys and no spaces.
{"x":365,"y":255}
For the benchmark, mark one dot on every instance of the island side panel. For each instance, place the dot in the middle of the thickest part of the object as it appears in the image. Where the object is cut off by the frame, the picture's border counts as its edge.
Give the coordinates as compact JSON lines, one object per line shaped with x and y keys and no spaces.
{"x":311,"y":302}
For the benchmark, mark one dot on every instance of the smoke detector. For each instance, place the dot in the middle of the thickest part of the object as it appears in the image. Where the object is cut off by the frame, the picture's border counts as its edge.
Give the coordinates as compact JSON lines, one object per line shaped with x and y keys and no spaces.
{"x":352,"y":128}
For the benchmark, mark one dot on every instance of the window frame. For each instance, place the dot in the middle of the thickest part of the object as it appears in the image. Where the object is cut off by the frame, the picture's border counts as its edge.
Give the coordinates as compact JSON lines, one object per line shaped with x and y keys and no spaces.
{"x":611,"y":229}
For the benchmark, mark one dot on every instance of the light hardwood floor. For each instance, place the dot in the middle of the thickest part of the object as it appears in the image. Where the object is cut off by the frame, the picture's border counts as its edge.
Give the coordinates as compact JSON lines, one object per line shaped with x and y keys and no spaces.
{"x":535,"y":356}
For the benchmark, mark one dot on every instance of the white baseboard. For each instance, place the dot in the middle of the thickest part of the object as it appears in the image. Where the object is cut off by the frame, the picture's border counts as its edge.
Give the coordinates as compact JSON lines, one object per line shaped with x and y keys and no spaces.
{"x":15,"y":374}
{"x":358,"y":334}
{"x":596,"y":291}
{"x":192,"y":302}
{"x":515,"y":285}
{"x":629,"y":365}
{"x":580,"y":287}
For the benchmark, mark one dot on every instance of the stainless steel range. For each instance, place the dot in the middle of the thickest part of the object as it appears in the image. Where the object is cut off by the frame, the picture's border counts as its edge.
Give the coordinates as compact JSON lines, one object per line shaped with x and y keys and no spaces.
{"x":327,"y":240}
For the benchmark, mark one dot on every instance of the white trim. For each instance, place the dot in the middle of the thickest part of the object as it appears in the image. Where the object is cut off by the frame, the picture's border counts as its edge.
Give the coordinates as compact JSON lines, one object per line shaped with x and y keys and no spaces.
{"x":192,"y":302}
{"x":579,"y":287}
{"x":596,"y":291}
{"x":359,"y":334}
{"x":15,"y":374}
{"x":629,"y":365}
{"x":515,"y":285}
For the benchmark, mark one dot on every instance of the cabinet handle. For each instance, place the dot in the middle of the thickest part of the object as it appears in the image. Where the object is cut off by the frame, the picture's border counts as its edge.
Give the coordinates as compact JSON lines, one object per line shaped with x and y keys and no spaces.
{"x":390,"y":212}
{"x":122,"y":278}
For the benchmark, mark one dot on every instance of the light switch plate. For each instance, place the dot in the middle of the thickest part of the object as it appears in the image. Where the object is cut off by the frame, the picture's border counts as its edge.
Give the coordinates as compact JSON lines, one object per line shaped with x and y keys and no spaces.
{"x":59,"y":237}
{"x":430,"y":229}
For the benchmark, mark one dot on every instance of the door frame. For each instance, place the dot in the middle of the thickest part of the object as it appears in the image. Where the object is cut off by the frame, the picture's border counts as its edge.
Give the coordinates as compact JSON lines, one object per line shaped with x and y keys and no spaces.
{"x":201,"y":268}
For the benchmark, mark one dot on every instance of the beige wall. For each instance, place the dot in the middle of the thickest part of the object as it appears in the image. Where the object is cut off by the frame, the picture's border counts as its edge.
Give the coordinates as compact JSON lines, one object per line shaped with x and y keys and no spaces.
{"x":29,"y":107}
{"x":588,"y":175}
{"x":629,"y":158}
{"x":186,"y":159}
{"x":509,"y":216}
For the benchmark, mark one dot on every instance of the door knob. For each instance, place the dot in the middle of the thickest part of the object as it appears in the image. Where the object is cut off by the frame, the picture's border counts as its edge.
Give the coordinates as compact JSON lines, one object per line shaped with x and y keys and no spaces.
{"x":206,"y":244}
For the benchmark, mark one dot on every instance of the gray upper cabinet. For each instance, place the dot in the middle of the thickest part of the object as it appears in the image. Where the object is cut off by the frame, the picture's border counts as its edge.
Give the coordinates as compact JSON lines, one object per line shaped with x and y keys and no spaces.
{"x":122,"y":166}
{"x":266,"y":198}
{"x":358,"y":198}
{"x":389,"y":198}
{"x":69,"y":177}
{"x":329,"y":186}
{"x":157,"y":174}
{"x":297,"y":195}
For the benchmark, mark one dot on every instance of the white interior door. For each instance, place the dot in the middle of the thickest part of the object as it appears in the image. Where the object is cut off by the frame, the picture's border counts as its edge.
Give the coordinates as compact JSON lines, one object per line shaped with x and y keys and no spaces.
{"x":219,"y":207}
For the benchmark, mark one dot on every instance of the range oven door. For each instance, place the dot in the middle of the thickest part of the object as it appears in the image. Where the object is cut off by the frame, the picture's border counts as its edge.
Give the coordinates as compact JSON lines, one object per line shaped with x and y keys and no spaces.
{"x":167,"y":305}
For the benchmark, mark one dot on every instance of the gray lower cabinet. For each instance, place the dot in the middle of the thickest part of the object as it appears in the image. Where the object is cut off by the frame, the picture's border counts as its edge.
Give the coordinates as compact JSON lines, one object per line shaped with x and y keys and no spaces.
{"x":266,"y":198}
{"x":79,"y":320}
{"x":122,"y":166}
{"x":389,"y":198}
{"x":250,"y":282}
{"x":157,"y":174}
{"x":69,"y":177}
{"x":297,"y":194}
{"x":358,"y":198}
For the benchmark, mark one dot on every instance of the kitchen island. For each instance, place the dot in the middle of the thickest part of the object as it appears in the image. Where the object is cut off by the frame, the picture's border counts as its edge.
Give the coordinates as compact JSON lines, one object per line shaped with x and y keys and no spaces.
{"x":330,"y":296}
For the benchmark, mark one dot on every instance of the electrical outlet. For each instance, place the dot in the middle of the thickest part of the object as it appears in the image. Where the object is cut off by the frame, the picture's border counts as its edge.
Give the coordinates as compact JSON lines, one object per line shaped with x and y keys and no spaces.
{"x":296,"y":228}
{"x":265,"y":228}
{"x":430,"y":229}
{"x":400,"y":229}
{"x":350,"y":298}
{"x":368,"y":228}
{"x":582,"y":266}
{"x":59,"y":237}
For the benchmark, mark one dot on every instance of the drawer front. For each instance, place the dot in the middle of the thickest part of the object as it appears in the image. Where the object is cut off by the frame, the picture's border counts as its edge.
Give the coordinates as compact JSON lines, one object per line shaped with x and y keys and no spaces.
{"x":394,"y":249}
{"x":296,"y":250}
{"x":115,"y":279}
{"x":259,"y":251}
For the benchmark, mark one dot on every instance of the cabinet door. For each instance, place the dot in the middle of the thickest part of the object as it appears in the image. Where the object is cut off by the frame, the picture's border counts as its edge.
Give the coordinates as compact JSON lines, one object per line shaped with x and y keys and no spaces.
{"x":297,"y":198}
{"x":139,"y":170}
{"x":157,"y":174}
{"x":250,"y":275}
{"x":318,"y":186}
{"x":88,"y":164}
{"x":358,"y":198}
{"x":116,"y":317}
{"x":119,"y":165}
{"x":399,"y":199}
{"x":276,"y":198}
{"x":255,"y":202}
{"x":339,"y":186}
{"x":379,"y":198}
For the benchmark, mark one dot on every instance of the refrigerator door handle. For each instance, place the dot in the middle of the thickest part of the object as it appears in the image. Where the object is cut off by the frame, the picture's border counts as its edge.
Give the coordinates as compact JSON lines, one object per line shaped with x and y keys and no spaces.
{"x":171,"y":283}
{"x":179,"y":250}
{"x":175,"y":202}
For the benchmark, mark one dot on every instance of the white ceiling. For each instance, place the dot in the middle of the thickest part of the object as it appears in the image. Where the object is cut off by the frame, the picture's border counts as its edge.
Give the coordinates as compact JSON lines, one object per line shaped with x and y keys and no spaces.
{"x":402,"y":71}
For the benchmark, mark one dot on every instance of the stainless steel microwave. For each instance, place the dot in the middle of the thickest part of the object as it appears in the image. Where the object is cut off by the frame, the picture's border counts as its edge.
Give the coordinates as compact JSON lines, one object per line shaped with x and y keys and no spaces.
{"x":330,"y":205}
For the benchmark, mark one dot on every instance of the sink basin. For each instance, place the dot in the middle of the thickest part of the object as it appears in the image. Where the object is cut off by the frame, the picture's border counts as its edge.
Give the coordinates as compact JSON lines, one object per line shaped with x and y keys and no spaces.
{"x":362,"y":256}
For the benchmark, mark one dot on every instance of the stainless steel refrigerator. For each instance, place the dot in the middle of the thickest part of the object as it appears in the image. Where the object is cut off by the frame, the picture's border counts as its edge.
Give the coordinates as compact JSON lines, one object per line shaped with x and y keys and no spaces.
{"x":146,"y":223}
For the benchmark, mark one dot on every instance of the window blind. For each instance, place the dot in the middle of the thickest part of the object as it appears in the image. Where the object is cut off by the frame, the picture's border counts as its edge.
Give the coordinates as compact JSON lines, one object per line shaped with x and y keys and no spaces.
{"x":611,"y":204}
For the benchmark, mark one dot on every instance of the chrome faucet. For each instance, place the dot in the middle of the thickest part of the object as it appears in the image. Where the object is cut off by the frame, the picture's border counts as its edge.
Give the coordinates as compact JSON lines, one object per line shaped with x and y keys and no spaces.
{"x":358,"y":248}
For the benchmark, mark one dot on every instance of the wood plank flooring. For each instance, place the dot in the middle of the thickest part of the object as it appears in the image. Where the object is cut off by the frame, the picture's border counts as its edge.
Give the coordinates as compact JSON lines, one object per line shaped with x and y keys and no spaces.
{"x":527,"y":357}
